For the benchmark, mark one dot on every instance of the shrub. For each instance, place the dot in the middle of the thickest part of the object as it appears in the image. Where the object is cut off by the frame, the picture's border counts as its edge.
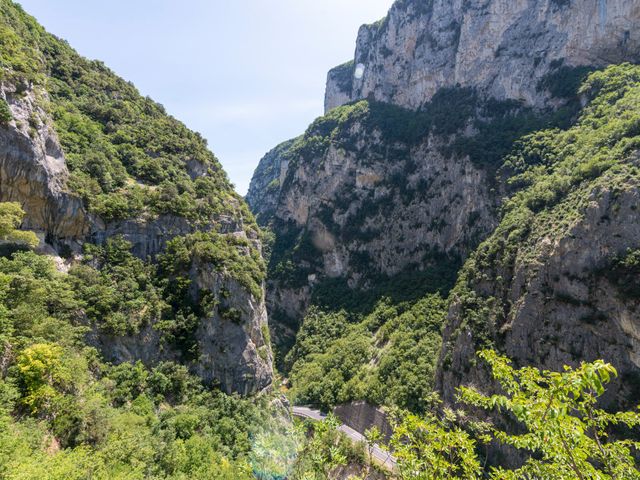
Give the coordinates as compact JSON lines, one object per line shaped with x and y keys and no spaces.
{"x":5,"y":112}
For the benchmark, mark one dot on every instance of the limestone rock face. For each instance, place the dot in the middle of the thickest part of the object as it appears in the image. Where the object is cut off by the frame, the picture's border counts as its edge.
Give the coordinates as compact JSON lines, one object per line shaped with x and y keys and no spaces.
{"x":235,"y":353}
{"x":365,"y":213}
{"x":560,"y":306}
{"x":366,"y":208}
{"x":232,"y":353}
{"x":267,"y":180}
{"x":33,"y":172}
{"x":500,"y":47}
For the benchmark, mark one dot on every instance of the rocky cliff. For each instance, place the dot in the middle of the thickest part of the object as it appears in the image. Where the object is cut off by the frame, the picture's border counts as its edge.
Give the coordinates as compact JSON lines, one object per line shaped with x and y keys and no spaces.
{"x":89,"y":170}
{"x":409,"y":170}
{"x":33,"y":170}
{"x":556,"y":283}
{"x":501,"y":47}
{"x":365,"y":202}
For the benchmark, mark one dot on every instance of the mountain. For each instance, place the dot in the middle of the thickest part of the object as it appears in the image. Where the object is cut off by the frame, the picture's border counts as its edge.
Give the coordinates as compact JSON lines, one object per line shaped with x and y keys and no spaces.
{"x":502,"y":49}
{"x":556,"y":282}
{"x":137,"y":210}
{"x":471,"y":134}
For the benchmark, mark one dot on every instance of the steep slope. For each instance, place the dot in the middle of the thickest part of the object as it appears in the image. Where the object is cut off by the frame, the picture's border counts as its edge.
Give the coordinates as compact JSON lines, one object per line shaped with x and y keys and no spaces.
{"x":500,"y":48}
{"x":104,"y":175}
{"x":393,"y":188}
{"x":556,"y":283}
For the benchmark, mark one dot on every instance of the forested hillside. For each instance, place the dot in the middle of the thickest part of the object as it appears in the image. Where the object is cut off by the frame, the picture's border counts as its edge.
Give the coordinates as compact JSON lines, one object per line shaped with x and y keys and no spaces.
{"x":450,"y":255}
{"x":467,"y":189}
{"x":165,"y":254}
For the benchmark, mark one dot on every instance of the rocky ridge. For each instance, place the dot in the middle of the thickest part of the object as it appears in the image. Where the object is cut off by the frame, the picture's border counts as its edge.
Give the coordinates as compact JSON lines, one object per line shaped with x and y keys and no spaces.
{"x":233,"y":353}
{"x":502,"y":48}
{"x":358,"y":201}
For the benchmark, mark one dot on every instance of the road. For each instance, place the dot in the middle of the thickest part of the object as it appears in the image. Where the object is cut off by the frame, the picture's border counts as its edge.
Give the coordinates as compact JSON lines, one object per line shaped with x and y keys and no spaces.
{"x":382,"y":457}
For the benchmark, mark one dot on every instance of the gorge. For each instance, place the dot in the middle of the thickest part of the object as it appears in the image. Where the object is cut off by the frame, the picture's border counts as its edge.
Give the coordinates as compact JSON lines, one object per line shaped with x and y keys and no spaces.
{"x":455,"y":242}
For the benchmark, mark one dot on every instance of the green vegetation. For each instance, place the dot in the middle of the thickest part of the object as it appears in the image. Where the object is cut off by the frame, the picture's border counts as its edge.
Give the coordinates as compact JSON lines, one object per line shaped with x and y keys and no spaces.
{"x":236,"y":256}
{"x":68,"y":415}
{"x":555,"y":424}
{"x":343,"y":76}
{"x":451,"y":114}
{"x":387,"y":357}
{"x":409,"y":285}
{"x":497,"y":124}
{"x":624,"y":273}
{"x":64,"y":413}
{"x":562,"y":432}
{"x":118,"y":290}
{"x":557,"y":172}
{"x":125,"y":153}
{"x":11,"y":215}
{"x":569,"y":434}
{"x":129,"y":159}
{"x":324,"y":450}
{"x":5,"y":113}
{"x":434,"y":447}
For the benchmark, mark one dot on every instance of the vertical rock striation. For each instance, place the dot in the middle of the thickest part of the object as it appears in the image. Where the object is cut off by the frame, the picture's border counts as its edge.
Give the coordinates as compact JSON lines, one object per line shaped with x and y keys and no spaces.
{"x":500,"y":47}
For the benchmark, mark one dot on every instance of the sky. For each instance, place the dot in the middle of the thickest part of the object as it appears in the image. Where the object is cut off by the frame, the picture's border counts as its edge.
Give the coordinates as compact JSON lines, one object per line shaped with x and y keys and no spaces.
{"x":246,"y":74}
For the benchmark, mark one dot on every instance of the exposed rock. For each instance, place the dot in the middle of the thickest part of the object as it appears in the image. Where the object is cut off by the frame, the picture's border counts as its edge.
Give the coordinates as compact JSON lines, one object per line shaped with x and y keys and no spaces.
{"x":500,"y":47}
{"x":364,"y":211}
{"x":33,"y":172}
{"x":556,"y":305}
{"x":232,"y":353}
{"x":268,"y":178}
{"x":368,"y":207}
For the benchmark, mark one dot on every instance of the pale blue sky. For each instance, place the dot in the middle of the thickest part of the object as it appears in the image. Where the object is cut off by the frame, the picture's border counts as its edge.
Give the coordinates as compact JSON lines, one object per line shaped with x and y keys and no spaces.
{"x":247,"y":74}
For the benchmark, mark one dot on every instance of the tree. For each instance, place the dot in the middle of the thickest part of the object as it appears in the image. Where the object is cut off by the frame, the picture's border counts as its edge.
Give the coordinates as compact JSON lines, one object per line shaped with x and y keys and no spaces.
{"x":42,"y":374}
{"x":568,"y":436}
{"x":432,"y":447}
{"x":322,"y":452}
{"x":5,"y":112}
{"x":11,"y":215}
{"x":372,"y":437}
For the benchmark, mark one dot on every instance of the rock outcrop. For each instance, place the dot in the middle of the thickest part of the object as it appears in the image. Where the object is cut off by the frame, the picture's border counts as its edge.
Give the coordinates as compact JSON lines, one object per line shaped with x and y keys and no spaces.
{"x":234,"y":354}
{"x":362,"y":199}
{"x":500,"y":47}
{"x":560,"y":301}
{"x":33,"y":172}
{"x":363,"y":208}
{"x":267,"y":179}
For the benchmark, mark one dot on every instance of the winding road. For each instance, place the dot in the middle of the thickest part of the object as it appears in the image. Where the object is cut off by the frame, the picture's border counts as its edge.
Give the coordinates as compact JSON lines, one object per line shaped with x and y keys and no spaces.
{"x":382,"y":457}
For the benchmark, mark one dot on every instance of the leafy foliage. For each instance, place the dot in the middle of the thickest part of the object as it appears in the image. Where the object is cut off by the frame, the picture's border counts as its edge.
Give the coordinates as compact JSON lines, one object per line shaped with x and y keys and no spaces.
{"x":11,"y":215}
{"x":325,"y":450}
{"x":387,"y":357}
{"x":434,"y":448}
{"x":5,"y":113}
{"x":64,"y":413}
{"x":125,"y":153}
{"x":128,"y":159}
{"x":556,"y":172}
{"x":567,"y":434}
{"x":118,"y":290}
{"x":561,"y":430}
{"x":624,"y":273}
{"x":235,"y":255}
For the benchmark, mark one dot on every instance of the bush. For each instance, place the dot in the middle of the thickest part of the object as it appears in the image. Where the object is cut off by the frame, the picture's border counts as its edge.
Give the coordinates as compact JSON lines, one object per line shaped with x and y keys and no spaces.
{"x":5,"y":112}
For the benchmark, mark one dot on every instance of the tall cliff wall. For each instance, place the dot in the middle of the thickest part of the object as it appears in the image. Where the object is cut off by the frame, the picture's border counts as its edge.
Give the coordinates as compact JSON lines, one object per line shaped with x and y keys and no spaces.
{"x":90,"y":160}
{"x":405,"y":174}
{"x":501,"y":47}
